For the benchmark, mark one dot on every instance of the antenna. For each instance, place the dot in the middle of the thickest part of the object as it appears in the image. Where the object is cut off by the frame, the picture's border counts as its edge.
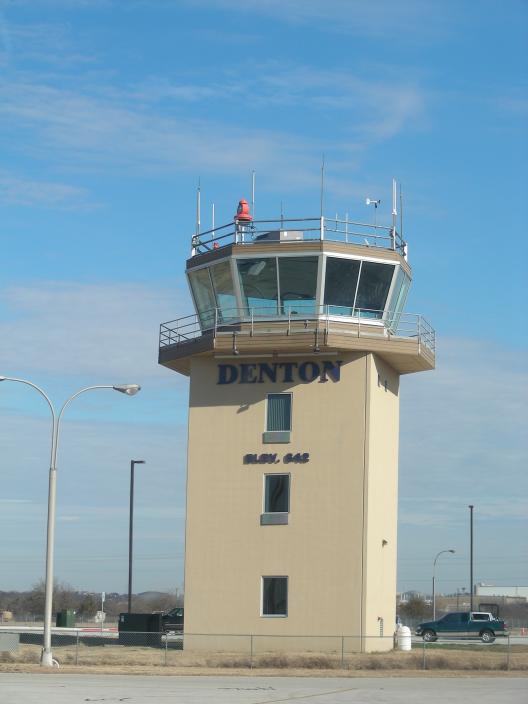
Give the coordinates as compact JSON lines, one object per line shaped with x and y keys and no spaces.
{"x":253,"y":193}
{"x":213,"y":217}
{"x":394,"y":210}
{"x":401,"y":213}
{"x":198,"y":209}
{"x":322,"y":183}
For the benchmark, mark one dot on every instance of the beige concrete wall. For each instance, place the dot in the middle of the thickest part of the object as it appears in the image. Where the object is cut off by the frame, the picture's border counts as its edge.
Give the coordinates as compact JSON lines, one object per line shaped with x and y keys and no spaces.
{"x":326,"y":548}
{"x":379,"y":613}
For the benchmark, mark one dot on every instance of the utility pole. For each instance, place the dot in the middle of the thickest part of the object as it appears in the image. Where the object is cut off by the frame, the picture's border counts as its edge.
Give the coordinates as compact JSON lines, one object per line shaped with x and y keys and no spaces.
{"x":471,"y":590}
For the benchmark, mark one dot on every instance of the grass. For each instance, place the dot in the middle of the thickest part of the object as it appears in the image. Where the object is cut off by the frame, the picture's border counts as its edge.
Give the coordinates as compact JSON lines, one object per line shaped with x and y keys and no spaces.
{"x":115,"y":658}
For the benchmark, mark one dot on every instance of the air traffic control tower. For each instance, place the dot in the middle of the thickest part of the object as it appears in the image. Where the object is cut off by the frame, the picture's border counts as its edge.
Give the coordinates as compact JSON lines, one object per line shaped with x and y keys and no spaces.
{"x":294,"y":355}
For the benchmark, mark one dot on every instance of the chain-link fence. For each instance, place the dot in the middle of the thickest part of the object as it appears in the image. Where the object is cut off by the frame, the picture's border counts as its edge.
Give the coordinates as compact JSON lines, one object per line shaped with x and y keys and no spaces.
{"x":108,"y":649}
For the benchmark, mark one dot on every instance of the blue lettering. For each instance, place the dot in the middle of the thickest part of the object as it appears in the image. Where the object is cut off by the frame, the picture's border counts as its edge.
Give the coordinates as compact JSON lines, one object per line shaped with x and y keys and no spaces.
{"x":333,"y":369}
{"x":288,"y":371}
{"x":227,"y":373}
{"x":247,"y":374}
{"x":305,"y":375}
{"x":270,"y":370}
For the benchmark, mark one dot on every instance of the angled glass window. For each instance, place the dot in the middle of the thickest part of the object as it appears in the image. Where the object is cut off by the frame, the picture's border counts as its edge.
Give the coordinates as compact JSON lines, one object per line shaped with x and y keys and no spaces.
{"x":258,"y":283}
{"x":340,"y":285}
{"x":276,"y":493}
{"x":398,"y":298}
{"x":224,"y":291}
{"x":297,"y":285}
{"x":374,"y":285}
{"x":203,"y":296}
{"x":274,"y":596}
{"x":279,"y":412}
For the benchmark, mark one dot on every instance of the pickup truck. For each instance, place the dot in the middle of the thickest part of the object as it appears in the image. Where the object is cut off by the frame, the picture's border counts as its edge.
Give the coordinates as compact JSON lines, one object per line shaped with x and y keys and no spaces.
{"x":463,"y":624}
{"x":173,"y":620}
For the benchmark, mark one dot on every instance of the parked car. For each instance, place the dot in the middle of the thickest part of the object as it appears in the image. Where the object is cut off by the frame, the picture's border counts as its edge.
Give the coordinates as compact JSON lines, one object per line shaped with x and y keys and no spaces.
{"x":463,"y":624}
{"x":172,"y":620}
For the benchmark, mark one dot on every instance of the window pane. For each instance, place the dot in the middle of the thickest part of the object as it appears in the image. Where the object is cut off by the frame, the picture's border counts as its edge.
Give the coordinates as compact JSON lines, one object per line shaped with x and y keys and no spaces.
{"x":275,"y":596}
{"x":340,"y":285}
{"x":279,"y":412}
{"x":297,"y":284}
{"x":258,"y":282}
{"x":374,"y":284}
{"x":277,"y":494}
{"x":223,"y":288}
{"x":203,"y":296}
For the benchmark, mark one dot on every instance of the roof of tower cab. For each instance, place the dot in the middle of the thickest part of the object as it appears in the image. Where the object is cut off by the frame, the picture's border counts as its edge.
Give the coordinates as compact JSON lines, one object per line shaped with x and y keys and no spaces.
{"x":299,"y":286}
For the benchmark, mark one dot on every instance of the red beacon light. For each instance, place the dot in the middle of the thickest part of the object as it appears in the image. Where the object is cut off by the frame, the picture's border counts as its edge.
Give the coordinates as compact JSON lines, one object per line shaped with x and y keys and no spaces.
{"x":242,"y":213}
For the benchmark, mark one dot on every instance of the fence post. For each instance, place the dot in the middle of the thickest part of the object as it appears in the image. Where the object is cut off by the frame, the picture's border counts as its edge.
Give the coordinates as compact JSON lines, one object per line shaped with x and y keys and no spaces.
{"x":342,"y":652}
{"x":508,"y":654}
{"x":166,"y":645}
{"x":423,"y":660}
{"x":251,"y":651}
{"x":77,"y":649}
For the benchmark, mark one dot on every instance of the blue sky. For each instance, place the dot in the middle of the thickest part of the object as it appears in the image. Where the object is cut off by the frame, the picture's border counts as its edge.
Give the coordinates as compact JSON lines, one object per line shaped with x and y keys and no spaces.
{"x":110,"y":112}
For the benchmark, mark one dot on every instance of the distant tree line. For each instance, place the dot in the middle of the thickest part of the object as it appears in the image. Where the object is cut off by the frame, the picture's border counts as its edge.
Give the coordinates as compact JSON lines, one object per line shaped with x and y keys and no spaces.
{"x":85,"y":604}
{"x":417,"y":609}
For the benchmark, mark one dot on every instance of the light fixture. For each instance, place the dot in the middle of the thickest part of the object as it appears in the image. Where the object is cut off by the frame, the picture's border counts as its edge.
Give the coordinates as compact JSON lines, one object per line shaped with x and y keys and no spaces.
{"x":128,"y":389}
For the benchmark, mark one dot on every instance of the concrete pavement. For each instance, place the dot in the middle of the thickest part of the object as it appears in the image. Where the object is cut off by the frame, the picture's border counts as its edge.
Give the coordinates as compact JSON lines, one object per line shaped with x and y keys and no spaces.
{"x":57,"y":688}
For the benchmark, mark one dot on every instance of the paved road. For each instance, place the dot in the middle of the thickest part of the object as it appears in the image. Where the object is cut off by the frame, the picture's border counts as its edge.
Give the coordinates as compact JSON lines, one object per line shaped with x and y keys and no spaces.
{"x":55,"y":688}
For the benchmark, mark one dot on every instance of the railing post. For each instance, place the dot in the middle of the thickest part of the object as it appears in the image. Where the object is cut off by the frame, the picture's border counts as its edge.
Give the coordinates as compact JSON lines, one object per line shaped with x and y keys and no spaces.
{"x":252,"y":322}
{"x":251,"y":651}
{"x":423,"y":657}
{"x":77,"y":649}
{"x":342,"y":652}
{"x":289,"y":321}
{"x":166,"y":642}
{"x":419,"y":331}
{"x":215,"y":323}
{"x":322,"y":227}
{"x":508,"y":654}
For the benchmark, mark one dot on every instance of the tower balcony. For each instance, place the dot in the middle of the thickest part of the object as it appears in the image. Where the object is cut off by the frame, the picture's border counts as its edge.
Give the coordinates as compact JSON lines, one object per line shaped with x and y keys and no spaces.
{"x":406,"y":341}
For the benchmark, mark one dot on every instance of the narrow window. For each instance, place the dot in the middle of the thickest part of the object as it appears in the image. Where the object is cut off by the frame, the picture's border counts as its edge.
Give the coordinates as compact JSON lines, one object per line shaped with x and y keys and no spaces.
{"x":279,"y":412}
{"x":274,"y":596}
{"x":277,"y":493}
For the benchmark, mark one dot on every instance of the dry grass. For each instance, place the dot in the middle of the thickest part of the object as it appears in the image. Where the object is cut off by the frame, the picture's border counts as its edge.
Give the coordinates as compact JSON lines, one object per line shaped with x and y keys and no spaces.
{"x":132,"y":659}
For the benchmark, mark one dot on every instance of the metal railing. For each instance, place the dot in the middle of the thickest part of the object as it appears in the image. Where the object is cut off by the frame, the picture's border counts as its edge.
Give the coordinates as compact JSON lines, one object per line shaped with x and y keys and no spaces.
{"x":299,"y":230}
{"x":298,"y":319}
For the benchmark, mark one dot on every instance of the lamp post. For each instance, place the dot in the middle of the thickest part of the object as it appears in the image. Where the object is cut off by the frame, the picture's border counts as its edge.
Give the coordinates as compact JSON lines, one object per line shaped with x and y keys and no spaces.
{"x":46,"y":659}
{"x":130,"y":526}
{"x":471,"y":587}
{"x":434,"y":581}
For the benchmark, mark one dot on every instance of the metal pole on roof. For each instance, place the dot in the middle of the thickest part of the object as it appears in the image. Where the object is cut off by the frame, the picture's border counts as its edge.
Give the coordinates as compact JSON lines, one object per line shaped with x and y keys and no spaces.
{"x":198,"y":209}
{"x":322,"y":184}
{"x":253,"y":193}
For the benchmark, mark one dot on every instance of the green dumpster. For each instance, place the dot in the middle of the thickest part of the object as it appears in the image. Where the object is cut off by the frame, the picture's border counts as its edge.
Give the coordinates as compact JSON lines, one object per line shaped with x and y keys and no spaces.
{"x":65,"y":619}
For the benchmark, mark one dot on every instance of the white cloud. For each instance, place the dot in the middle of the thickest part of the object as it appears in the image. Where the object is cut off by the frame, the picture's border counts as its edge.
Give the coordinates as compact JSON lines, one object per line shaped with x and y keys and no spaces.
{"x":416,"y":19}
{"x":92,"y":502}
{"x":463,"y":441}
{"x":20,"y":191}
{"x":95,"y":330}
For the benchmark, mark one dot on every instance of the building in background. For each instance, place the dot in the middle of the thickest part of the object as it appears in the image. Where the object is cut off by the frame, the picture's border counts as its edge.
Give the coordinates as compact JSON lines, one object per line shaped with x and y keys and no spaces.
{"x":294,"y":354}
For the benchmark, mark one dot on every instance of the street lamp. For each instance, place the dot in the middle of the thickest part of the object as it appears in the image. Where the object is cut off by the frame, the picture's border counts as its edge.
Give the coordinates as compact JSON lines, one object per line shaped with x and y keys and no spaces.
{"x":434,"y":583}
{"x":46,"y":659}
{"x":130,"y":525}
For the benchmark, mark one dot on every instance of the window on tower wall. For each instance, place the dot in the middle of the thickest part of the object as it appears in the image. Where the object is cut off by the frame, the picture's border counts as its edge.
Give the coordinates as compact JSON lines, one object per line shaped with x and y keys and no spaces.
{"x":276,"y":500}
{"x":279,"y":412}
{"x":278,"y":418}
{"x":277,"y":493}
{"x":274,"y":596}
